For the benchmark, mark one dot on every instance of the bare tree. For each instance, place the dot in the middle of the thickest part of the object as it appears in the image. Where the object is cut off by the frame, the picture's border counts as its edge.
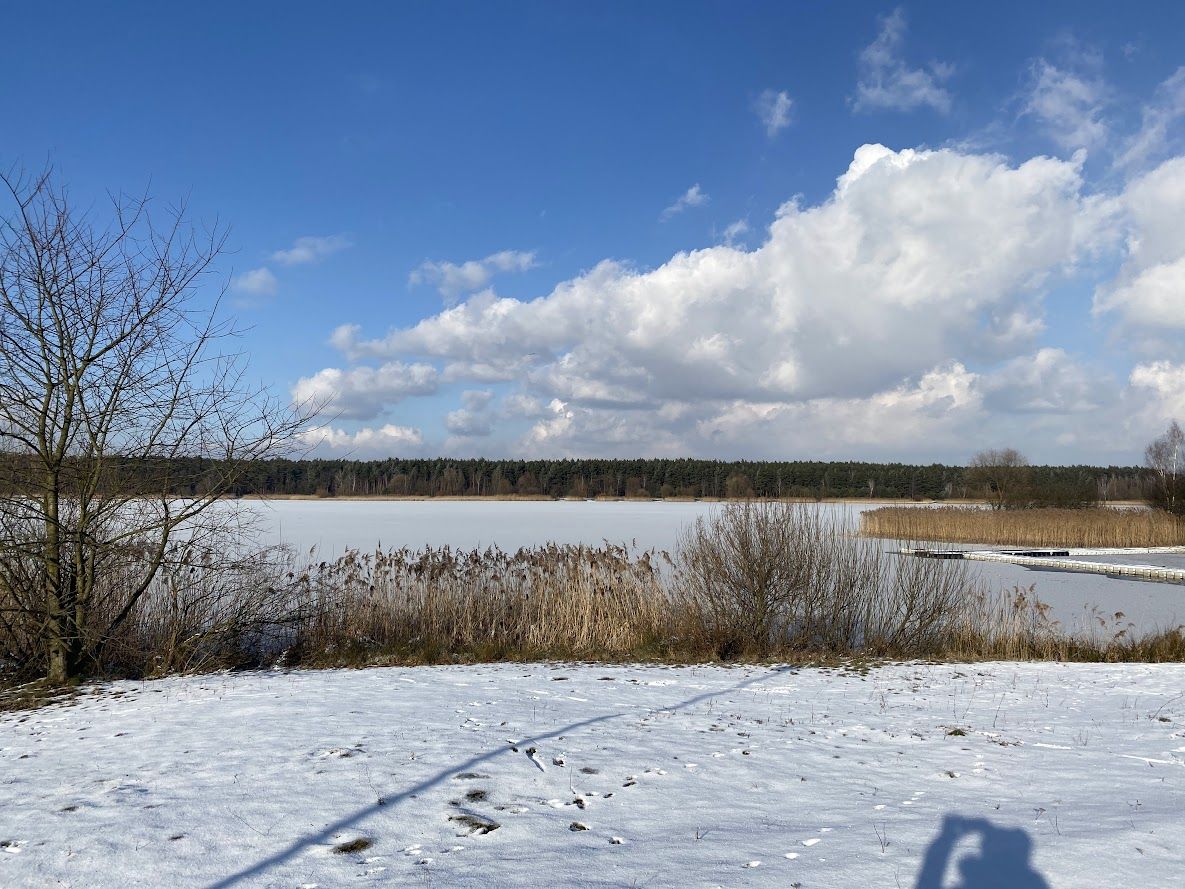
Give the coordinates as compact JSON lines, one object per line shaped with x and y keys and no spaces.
{"x":1002,"y":475}
{"x":124,"y":416}
{"x":1166,"y":458}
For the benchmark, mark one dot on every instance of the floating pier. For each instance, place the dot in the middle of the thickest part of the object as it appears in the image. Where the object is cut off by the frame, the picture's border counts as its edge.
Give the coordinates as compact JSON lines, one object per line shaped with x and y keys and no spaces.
{"x":1063,"y":560}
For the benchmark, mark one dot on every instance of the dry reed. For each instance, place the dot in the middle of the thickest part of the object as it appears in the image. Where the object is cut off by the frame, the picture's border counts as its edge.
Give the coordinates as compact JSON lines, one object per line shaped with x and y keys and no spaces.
{"x":1026,"y":527}
{"x":773,"y":581}
{"x":443,"y":604}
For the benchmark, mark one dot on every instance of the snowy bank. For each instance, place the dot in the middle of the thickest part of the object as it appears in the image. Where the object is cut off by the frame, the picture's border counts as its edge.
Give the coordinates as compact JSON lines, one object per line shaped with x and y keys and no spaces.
{"x":549,"y":775}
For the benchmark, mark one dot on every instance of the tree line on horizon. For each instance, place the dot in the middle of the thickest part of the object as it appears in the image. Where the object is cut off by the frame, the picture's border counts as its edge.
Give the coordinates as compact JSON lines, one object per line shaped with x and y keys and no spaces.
{"x":641,"y":478}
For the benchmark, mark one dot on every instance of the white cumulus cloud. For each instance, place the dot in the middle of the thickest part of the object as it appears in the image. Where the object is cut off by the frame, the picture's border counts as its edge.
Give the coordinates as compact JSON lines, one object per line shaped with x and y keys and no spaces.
{"x":734,"y":231}
{"x":1148,"y":294}
{"x":385,"y":441}
{"x":901,"y":316}
{"x":474,"y":420}
{"x":364,"y":392}
{"x":1050,"y":381}
{"x":917,"y":255}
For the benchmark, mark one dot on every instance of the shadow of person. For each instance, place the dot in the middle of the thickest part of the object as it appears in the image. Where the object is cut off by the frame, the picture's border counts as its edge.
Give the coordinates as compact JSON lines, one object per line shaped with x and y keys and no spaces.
{"x":1001,"y":862}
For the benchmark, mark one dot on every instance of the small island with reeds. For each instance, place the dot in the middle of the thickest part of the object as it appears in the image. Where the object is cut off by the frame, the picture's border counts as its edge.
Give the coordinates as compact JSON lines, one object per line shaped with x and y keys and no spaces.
{"x":1097,"y":527}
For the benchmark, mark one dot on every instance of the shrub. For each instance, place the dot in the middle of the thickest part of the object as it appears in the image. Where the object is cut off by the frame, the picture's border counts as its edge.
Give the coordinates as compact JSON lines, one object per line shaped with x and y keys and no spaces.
{"x":775,"y":576}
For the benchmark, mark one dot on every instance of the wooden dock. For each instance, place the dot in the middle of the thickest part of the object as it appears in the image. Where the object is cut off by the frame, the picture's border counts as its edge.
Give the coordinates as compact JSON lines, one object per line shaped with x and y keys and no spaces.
{"x":1063,"y":560}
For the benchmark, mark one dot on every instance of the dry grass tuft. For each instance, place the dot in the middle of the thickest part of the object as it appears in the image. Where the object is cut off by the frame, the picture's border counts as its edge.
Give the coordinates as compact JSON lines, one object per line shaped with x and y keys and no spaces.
{"x":359,"y":845}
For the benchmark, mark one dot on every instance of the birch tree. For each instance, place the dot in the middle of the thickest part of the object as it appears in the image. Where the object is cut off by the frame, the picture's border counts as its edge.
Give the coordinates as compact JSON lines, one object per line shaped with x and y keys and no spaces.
{"x":1166,"y":458}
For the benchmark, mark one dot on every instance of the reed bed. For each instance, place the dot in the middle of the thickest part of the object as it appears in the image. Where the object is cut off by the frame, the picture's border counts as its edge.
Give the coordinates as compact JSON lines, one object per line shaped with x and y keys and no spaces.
{"x":1026,"y":527}
{"x":757,"y":581}
{"x":432,"y":605}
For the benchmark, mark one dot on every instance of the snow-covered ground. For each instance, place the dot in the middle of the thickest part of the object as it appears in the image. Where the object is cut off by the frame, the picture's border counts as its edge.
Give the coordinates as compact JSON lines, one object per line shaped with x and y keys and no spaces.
{"x":553,"y":775}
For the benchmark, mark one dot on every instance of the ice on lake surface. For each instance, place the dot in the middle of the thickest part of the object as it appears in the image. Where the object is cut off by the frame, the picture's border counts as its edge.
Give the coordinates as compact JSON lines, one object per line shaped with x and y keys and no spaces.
{"x":332,"y":526}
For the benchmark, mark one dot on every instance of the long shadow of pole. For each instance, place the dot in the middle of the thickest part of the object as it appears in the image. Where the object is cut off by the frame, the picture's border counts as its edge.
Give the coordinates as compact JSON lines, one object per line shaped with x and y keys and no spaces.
{"x":388,"y":802}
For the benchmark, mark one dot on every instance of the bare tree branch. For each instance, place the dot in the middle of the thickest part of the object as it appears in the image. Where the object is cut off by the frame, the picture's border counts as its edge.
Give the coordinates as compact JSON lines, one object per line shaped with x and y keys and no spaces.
{"x":111,"y":368}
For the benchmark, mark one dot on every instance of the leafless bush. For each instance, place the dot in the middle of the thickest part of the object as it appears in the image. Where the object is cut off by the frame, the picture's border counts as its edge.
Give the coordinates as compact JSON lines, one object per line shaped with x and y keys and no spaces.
{"x":207,"y":611}
{"x":772,"y":576}
{"x":209,"y":604}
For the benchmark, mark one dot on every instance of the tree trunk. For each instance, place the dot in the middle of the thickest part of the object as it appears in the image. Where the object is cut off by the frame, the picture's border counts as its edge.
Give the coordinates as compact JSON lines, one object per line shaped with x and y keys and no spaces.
{"x":62,"y":629}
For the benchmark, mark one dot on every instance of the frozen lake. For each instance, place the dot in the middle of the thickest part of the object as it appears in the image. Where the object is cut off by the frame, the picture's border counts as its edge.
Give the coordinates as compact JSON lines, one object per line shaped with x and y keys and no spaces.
{"x":332,"y":526}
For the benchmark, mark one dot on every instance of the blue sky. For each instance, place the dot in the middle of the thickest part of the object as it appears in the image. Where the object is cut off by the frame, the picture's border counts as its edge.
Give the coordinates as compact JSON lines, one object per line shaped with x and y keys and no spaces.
{"x":554,"y":228}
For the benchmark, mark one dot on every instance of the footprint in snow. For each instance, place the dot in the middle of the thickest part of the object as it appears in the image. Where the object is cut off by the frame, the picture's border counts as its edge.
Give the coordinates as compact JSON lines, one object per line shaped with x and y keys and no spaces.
{"x":337,"y":753}
{"x":469,"y":824}
{"x":791,"y":855}
{"x":752,"y":864}
{"x":811,"y":842}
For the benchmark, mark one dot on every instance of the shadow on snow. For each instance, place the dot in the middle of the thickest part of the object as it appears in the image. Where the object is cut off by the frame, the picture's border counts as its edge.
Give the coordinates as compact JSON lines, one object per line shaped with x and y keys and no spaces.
{"x":1001,"y":861}
{"x":388,"y":802}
